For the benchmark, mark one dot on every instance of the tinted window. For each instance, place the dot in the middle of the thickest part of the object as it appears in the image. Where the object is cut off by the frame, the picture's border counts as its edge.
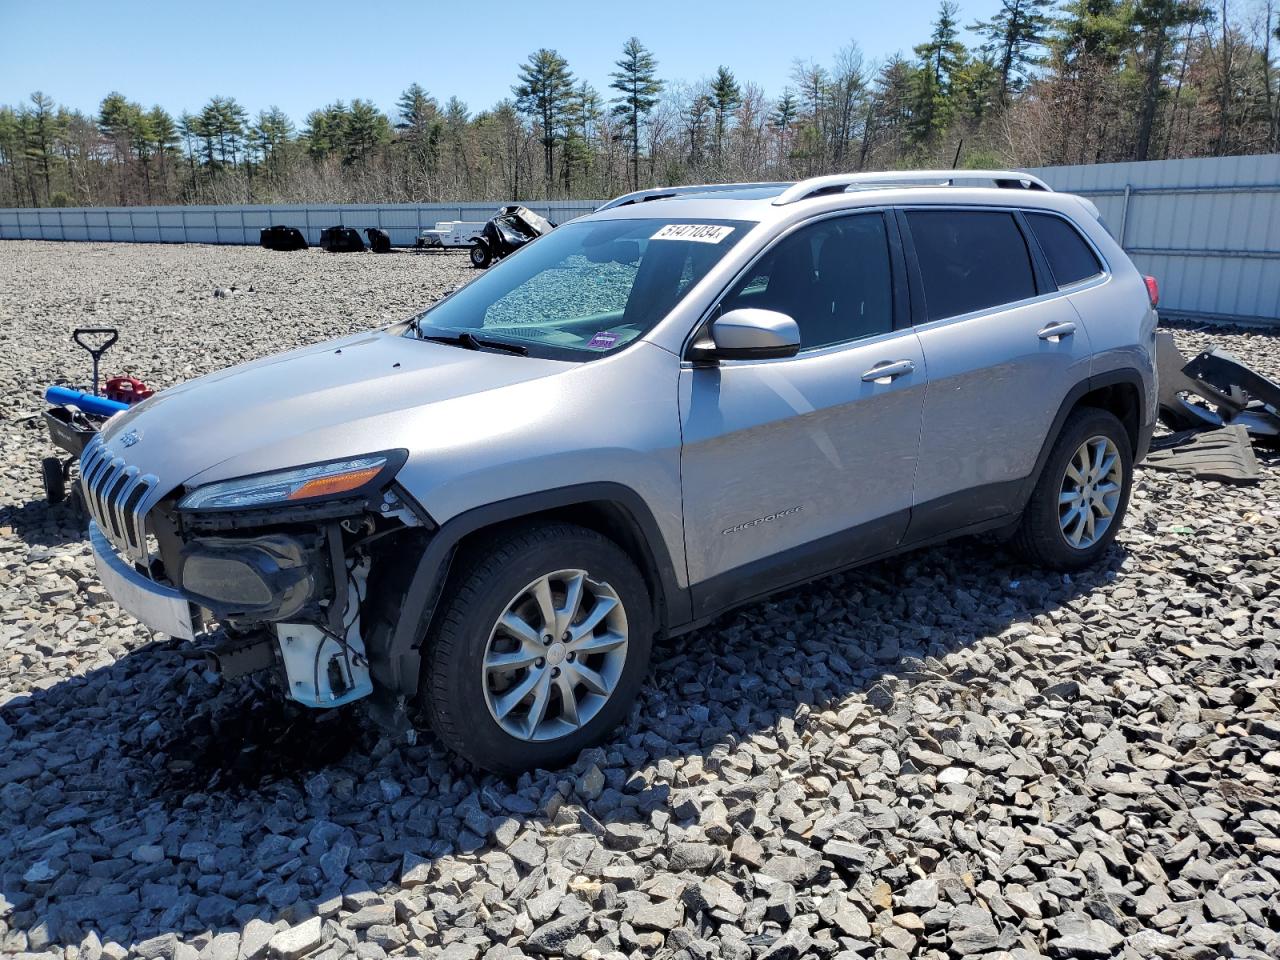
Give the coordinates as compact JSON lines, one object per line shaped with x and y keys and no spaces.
{"x":970,"y":260}
{"x":1070,"y":258}
{"x":832,"y":277}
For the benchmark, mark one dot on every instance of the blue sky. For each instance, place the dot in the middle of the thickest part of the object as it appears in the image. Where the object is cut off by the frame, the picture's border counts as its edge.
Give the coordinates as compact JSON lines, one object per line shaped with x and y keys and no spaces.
{"x":178,"y":55}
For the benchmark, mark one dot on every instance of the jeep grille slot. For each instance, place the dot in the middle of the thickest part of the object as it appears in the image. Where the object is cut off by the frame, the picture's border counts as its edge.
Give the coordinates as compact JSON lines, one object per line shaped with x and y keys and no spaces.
{"x":115,"y":494}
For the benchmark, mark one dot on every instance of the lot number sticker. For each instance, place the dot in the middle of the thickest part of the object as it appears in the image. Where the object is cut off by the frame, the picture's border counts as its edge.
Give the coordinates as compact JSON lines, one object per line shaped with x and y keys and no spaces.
{"x":697,"y":232}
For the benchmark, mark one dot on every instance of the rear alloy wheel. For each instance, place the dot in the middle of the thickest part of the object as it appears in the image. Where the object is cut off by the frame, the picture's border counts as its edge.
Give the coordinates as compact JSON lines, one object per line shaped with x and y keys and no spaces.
{"x":1079,"y":501}
{"x":1091,"y":488}
{"x":539,"y":648}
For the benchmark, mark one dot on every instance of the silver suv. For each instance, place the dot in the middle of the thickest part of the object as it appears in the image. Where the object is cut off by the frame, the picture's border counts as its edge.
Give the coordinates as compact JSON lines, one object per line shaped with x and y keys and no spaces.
{"x":483,"y":516}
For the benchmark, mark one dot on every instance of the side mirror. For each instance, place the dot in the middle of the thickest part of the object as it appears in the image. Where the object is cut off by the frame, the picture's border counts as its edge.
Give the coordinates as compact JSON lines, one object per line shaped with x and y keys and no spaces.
{"x":749,"y":334}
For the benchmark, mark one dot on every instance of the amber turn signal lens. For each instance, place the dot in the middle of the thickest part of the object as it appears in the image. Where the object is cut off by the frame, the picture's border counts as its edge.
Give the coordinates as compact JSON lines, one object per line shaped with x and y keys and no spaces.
{"x":328,"y":486}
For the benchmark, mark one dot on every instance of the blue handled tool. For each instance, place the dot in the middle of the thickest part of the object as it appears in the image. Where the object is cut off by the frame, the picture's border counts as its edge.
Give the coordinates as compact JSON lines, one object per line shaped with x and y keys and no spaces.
{"x":98,"y":406}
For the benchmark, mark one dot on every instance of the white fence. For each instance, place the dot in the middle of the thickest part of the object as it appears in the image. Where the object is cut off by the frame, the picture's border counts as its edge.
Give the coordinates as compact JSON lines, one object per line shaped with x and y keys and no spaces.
{"x":1208,"y":229}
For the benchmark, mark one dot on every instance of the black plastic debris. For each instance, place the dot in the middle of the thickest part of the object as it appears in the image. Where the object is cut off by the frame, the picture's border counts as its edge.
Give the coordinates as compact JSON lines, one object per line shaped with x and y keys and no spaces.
{"x":379,"y":240}
{"x":282,"y":238}
{"x":1213,"y":390}
{"x":512,"y":228}
{"x":1225,"y":454}
{"x":341,"y":239}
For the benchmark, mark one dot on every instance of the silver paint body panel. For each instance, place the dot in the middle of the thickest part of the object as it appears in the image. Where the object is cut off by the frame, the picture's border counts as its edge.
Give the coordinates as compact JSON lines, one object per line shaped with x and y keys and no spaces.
{"x":708,"y":449}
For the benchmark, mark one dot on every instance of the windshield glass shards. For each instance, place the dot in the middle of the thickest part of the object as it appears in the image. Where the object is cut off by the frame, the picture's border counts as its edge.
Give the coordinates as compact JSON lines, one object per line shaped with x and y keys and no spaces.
{"x":585,"y":288}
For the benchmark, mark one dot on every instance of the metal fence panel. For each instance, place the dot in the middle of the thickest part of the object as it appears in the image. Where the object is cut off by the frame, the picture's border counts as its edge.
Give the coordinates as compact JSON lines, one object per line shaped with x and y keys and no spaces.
{"x":1208,"y":229}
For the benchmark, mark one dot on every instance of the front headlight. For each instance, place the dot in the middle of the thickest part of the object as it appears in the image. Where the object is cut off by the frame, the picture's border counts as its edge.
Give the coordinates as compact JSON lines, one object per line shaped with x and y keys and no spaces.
{"x":314,"y":482}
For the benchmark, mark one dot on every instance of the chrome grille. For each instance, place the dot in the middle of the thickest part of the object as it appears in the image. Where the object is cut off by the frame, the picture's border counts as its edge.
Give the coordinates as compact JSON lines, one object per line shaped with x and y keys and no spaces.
{"x":115,"y":494}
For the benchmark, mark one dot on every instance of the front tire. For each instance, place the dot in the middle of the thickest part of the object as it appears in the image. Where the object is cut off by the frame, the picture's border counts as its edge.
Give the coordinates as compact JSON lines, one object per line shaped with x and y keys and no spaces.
{"x":1079,"y":502}
{"x":539,"y":648}
{"x":480,"y":256}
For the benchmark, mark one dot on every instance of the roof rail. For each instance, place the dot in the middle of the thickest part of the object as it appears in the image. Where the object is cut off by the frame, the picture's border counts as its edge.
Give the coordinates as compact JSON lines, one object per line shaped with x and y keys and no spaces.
{"x":839,"y":183}
{"x":667,"y":193}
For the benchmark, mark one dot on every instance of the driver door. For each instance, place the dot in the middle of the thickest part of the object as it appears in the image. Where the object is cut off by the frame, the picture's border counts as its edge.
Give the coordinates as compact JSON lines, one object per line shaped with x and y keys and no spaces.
{"x":793,"y":467}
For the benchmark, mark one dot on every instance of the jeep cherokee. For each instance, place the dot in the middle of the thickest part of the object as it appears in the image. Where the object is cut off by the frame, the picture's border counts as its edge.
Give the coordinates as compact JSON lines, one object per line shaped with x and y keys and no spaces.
{"x":483,"y":516}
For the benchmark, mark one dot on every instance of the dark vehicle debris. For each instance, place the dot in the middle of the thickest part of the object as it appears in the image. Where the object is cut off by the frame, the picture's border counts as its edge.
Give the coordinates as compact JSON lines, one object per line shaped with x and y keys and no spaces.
{"x":341,"y":239}
{"x":282,"y":238}
{"x":379,"y":240}
{"x":1214,"y":389}
{"x":512,"y":228}
{"x":1224,"y":454}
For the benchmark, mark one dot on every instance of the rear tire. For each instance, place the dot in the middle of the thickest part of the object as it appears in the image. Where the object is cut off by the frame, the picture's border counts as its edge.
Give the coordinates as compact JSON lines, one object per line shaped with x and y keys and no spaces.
{"x":1079,"y":502}
{"x":480,"y":256}
{"x":508,"y":689}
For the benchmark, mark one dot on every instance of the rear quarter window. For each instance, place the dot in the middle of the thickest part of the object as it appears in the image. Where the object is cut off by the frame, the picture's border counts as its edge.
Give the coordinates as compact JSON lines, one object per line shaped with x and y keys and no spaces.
{"x":1070,"y":257}
{"x":970,"y":260}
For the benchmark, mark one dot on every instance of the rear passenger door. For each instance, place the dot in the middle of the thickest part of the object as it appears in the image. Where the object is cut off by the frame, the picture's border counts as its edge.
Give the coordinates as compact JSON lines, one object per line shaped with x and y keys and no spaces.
{"x":1002,"y":348}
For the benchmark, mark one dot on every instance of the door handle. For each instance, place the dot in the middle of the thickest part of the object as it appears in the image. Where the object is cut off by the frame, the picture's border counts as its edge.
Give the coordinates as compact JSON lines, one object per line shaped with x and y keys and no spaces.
{"x":888,"y":370}
{"x":1057,"y":331}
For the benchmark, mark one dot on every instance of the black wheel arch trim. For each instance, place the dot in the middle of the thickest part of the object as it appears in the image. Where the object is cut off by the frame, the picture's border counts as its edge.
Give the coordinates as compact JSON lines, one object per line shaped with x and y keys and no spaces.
{"x":1128,"y":376}
{"x":672,"y":605}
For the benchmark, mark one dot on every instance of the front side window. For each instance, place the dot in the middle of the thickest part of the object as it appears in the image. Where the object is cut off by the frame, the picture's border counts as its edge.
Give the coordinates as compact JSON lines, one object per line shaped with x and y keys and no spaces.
{"x":1070,"y":258}
{"x":831,"y":277}
{"x":586,"y":288}
{"x":970,"y":260}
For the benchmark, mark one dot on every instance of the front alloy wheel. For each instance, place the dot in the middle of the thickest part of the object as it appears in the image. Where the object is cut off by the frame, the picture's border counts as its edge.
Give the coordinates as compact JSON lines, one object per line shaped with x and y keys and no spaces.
{"x":555,"y":656}
{"x":538,"y":648}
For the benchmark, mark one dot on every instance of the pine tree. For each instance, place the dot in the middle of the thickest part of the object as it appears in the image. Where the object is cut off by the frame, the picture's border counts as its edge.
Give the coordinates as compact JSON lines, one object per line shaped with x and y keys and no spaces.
{"x":1012,"y":36}
{"x":543,"y":95}
{"x":43,"y":131}
{"x":1156,"y":21}
{"x":581,"y":115}
{"x":939,"y":59}
{"x":367,"y":128}
{"x":270,"y":132}
{"x":326,"y":130}
{"x":726,"y":96}
{"x":637,"y":83}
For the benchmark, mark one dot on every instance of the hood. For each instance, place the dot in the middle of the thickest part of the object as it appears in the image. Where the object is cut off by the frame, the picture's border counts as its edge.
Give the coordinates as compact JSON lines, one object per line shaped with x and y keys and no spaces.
{"x":347,"y":397}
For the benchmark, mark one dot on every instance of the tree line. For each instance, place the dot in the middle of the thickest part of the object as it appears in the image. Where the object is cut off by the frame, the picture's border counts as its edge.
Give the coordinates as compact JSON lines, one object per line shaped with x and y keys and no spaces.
{"x":1089,"y":81}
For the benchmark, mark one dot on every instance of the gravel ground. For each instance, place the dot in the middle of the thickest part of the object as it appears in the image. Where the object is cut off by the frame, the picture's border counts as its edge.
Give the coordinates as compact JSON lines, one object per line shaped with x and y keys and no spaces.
{"x":946,"y":755}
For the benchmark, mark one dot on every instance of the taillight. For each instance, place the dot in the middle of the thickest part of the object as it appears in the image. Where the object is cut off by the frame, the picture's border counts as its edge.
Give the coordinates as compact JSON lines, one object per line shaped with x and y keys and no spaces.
{"x":1153,"y":290}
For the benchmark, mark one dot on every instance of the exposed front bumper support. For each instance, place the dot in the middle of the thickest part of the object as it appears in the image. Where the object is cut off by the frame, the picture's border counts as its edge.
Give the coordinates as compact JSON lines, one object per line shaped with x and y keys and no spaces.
{"x":159,"y":607}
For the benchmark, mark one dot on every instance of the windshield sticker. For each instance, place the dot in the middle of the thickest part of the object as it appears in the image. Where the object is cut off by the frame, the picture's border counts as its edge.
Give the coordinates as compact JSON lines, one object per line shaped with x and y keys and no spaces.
{"x":604,"y":340}
{"x":697,"y":232}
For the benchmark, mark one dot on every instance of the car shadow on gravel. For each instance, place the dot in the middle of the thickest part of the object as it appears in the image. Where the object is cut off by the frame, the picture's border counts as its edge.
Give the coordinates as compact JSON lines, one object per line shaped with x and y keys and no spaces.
{"x":147,"y":797}
{"x":42,"y":524}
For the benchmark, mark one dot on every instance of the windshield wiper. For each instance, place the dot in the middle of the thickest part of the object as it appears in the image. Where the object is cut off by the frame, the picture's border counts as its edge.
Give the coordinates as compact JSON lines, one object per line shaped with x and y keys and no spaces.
{"x":465,"y":338}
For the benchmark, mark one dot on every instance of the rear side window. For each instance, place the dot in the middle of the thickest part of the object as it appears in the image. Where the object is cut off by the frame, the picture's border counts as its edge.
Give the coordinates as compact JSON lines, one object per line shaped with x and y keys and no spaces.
{"x":1070,"y":257}
{"x":970,"y":260}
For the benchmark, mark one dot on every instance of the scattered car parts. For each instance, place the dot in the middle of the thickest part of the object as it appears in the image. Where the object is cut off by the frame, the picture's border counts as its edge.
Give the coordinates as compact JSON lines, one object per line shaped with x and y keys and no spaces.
{"x":379,"y":240}
{"x":282,"y":238}
{"x":512,"y":228}
{"x":1214,"y":389}
{"x":450,"y":233}
{"x":341,"y":239}
{"x":1224,"y":454}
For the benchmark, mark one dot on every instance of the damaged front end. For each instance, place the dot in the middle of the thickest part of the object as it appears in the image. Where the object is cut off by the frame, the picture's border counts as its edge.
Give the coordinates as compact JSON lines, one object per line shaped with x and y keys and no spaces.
{"x":297,"y":567}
